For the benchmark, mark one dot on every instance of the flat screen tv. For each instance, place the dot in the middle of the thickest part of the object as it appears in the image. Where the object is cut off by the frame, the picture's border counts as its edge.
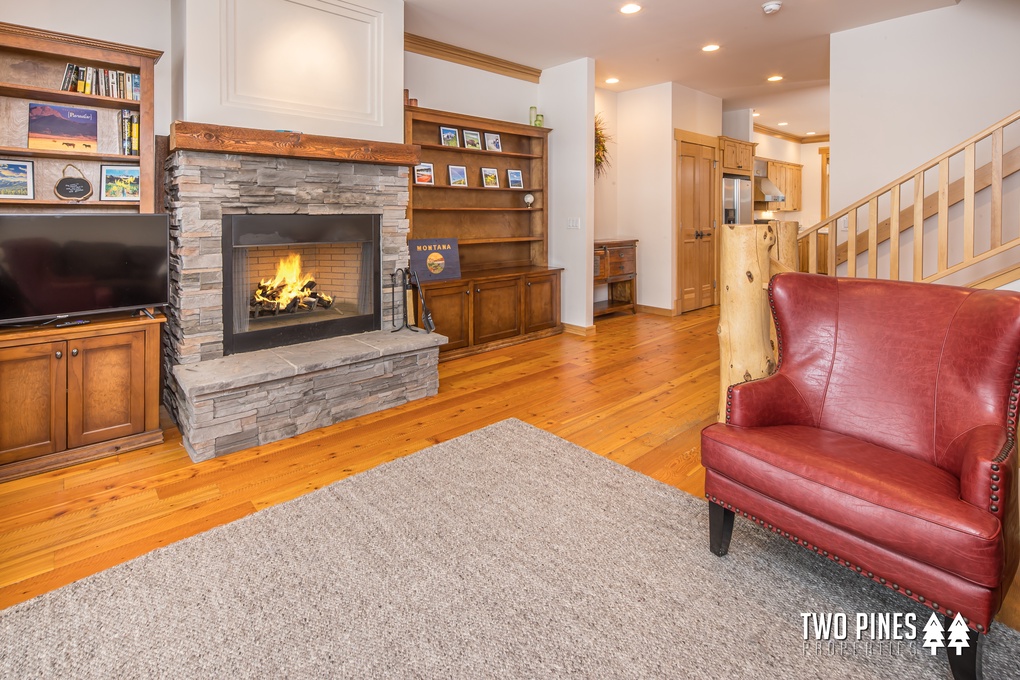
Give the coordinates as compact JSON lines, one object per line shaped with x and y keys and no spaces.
{"x":56,"y":266}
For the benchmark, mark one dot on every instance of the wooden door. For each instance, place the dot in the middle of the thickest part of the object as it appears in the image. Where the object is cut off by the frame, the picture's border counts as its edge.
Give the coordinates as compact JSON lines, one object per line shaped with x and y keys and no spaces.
{"x":496,"y":310}
{"x":541,"y":302}
{"x":696,"y":259}
{"x":450,"y":304}
{"x":105,"y":387}
{"x":33,"y":400}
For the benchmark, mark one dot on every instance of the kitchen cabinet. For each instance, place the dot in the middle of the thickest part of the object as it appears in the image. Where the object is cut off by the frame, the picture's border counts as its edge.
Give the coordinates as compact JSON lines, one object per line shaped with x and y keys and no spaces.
{"x":787,"y":177}
{"x":737,"y":156}
{"x":616,"y":267}
{"x":494,"y":308}
{"x":70,"y":395}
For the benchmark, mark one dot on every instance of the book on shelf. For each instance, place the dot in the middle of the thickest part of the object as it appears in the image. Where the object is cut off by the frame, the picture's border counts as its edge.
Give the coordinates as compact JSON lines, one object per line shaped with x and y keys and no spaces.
{"x":134,"y":133}
{"x":103,"y":82}
{"x":125,"y":132}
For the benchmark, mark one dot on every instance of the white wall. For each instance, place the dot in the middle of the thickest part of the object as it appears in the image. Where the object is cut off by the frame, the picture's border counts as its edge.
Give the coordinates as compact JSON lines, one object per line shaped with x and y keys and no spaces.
{"x":327,"y":69}
{"x":132,"y":26}
{"x":811,"y":185}
{"x":607,"y":218}
{"x":438,"y":84}
{"x":645,"y":187}
{"x":739,"y":124}
{"x":695,"y":111}
{"x":567,"y":100}
{"x":906,"y":90}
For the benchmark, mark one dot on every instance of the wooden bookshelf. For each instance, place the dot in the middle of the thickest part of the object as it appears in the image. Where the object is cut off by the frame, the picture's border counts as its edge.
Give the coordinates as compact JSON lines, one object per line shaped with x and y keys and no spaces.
{"x":507,"y":292}
{"x":32,"y":64}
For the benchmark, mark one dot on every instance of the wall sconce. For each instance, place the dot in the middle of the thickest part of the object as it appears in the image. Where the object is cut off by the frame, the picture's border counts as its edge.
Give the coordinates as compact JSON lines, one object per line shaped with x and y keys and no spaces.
{"x":529,"y":199}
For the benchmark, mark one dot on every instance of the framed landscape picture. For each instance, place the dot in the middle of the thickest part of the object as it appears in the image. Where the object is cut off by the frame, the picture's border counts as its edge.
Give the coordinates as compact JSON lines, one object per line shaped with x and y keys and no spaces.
{"x":458,"y":176}
{"x":514,"y":179}
{"x":490,"y":178}
{"x":120,"y":182}
{"x":492,"y":142}
{"x":423,"y":174}
{"x":17,"y":179}
{"x":449,"y":136}
{"x":472,"y":140}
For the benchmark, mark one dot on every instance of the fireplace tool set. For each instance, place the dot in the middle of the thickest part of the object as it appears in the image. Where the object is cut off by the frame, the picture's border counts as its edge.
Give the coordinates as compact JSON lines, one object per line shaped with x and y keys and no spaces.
{"x":408,"y":283}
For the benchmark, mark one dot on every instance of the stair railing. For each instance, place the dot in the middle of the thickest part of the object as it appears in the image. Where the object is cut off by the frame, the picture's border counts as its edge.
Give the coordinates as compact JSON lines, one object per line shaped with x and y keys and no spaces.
{"x":904,"y":204}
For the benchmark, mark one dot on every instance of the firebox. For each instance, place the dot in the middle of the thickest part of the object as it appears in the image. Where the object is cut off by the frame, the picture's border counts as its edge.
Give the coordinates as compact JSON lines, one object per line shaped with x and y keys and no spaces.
{"x":296,"y":278}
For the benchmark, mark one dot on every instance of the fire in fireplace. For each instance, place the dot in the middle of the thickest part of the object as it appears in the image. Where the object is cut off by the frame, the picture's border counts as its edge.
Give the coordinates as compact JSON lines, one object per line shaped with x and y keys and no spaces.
{"x":296,"y":278}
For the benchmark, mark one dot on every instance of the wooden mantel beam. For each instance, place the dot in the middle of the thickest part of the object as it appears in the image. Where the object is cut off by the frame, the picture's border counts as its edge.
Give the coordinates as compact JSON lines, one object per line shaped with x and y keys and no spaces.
{"x":225,"y":139}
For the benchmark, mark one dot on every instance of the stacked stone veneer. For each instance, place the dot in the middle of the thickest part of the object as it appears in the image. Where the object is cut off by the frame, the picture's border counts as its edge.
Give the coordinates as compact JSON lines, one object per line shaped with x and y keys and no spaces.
{"x":236,"y":402}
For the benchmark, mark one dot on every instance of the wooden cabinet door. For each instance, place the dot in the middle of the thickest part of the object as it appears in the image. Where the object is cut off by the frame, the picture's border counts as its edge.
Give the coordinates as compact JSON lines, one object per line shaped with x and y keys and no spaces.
{"x":105,"y":387}
{"x":450,"y":305}
{"x":496,"y":310}
{"x":33,"y":400}
{"x":793,"y":188}
{"x":744,"y":157}
{"x":541,"y":301}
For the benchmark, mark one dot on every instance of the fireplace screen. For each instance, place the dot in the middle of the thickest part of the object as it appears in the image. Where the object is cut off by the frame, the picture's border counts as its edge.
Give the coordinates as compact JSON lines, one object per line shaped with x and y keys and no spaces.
{"x":296,"y":278}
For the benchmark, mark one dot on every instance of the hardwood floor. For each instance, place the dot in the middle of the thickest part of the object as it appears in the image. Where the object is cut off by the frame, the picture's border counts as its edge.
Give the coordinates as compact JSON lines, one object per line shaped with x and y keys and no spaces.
{"x":639,"y":392}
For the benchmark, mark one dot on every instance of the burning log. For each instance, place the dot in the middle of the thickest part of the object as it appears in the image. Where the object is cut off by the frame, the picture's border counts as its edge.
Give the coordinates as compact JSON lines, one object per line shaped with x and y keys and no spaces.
{"x":289,"y":292}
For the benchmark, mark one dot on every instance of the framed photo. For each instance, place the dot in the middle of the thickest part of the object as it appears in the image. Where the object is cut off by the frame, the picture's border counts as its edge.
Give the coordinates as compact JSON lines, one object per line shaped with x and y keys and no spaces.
{"x":17,"y":179}
{"x":458,"y":176}
{"x":119,"y":182}
{"x":492,"y":142}
{"x":514,"y":179}
{"x":423,"y":174}
{"x":472,"y":140}
{"x":490,"y":178}
{"x":449,"y":136}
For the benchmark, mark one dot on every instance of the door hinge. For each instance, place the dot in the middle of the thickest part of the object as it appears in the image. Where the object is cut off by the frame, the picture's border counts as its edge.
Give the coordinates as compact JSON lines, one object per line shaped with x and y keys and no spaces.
{"x":714,"y":282}
{"x":714,"y":225}
{"x":715,"y":164}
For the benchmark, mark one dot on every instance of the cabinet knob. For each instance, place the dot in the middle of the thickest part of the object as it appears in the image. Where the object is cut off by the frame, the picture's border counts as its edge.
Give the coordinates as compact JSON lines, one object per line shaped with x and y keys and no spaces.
{"x":74,"y":352}
{"x":60,"y":355}
{"x":529,"y":283}
{"x":478,"y":290}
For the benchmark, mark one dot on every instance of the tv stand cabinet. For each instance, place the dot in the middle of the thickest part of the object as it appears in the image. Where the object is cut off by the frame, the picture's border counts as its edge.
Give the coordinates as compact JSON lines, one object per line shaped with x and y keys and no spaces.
{"x":77,"y":393}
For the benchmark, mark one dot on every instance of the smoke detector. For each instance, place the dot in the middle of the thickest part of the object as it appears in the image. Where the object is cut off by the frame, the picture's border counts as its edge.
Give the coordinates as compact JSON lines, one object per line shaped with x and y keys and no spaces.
{"x":772,"y":6}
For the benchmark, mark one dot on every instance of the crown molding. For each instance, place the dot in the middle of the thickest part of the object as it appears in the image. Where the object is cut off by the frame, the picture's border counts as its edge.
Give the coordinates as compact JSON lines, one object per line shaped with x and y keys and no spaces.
{"x":459,"y":55}
{"x":812,"y":139}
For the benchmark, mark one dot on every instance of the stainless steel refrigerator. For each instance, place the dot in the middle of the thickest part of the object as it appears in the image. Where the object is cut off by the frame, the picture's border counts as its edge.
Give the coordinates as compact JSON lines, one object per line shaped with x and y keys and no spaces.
{"x":738,"y":207}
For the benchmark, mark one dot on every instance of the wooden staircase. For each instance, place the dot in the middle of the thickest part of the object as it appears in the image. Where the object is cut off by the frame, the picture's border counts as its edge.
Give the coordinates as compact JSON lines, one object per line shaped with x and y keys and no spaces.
{"x":967,"y":202}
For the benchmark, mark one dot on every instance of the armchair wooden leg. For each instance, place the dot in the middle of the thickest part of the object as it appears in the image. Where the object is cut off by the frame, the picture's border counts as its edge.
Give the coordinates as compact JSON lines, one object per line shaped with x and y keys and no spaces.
{"x":966,"y":665}
{"x":720,"y":528}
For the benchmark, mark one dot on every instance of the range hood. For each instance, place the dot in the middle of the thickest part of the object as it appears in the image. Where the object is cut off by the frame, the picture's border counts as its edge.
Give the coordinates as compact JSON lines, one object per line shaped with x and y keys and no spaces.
{"x":766,"y":190}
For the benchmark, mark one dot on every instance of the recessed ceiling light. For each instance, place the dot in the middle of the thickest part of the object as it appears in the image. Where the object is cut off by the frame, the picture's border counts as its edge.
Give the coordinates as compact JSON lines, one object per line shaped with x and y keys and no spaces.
{"x":775,"y":79}
{"x":612,"y":81}
{"x":630,"y":8}
{"x":808,"y":134}
{"x":783,"y":124}
{"x":709,"y":48}
{"x":755,"y":114}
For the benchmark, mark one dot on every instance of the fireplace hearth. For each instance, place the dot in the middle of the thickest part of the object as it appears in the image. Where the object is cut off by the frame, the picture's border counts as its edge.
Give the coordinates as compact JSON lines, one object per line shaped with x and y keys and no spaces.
{"x":289,"y":279}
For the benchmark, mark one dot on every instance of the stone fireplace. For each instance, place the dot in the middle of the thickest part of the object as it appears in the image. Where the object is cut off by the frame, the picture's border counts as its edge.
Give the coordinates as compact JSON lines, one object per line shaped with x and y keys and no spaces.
{"x":240,"y":202}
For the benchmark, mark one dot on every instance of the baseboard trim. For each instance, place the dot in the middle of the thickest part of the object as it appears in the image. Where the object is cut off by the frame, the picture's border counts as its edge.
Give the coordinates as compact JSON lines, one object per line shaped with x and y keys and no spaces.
{"x":657,"y":311}
{"x":583,"y":331}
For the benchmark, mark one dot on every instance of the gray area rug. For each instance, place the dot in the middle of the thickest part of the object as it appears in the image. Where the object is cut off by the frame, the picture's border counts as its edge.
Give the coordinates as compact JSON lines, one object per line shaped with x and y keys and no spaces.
{"x":504,"y":553}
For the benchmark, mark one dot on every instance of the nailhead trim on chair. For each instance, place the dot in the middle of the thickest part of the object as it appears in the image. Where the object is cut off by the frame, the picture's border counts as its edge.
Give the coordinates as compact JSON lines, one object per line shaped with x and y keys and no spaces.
{"x":779,"y":331}
{"x":856,"y":568}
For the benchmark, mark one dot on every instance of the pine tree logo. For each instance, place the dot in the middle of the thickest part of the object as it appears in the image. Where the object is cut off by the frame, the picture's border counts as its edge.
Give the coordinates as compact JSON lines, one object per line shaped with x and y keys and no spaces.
{"x":934,"y":634}
{"x":959,"y":635}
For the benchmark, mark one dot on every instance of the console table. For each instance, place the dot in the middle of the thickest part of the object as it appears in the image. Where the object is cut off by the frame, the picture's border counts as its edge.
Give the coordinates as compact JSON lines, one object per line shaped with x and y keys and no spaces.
{"x":616,"y":267}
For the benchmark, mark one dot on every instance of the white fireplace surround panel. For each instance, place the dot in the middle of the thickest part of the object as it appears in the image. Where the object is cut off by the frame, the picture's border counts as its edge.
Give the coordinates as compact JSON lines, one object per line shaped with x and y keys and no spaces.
{"x":303,"y":57}
{"x":325,"y":67}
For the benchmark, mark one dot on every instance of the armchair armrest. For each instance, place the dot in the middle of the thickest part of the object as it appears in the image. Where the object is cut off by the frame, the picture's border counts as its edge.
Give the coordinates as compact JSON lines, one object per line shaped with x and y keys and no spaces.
{"x":770,"y":401}
{"x":988,"y":465}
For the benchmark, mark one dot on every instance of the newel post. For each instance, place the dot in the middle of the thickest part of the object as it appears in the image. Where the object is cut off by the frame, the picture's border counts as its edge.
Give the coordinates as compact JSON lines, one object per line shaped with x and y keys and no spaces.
{"x":745,"y":349}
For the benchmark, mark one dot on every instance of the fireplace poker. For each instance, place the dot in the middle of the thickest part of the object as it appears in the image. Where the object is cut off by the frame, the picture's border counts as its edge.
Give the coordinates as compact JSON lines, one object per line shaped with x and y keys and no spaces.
{"x":426,"y":316}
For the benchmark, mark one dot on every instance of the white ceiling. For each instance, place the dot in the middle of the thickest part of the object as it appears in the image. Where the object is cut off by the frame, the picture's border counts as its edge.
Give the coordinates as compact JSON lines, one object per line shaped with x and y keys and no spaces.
{"x":663,"y":43}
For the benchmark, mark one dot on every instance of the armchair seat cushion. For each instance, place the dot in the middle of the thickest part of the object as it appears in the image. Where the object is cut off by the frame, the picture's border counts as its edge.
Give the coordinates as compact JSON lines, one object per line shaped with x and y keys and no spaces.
{"x":882,"y":496}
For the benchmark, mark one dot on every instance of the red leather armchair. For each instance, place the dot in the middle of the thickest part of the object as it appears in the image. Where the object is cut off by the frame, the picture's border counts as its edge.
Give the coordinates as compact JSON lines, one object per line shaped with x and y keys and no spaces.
{"x":885,"y":441}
